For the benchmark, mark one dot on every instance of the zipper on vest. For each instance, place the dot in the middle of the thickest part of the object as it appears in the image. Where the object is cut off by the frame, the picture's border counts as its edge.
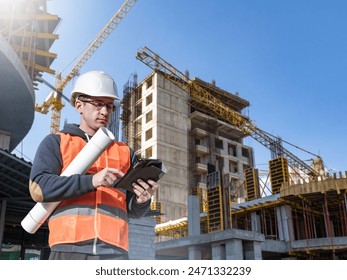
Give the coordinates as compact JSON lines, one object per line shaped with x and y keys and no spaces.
{"x":95,"y":213}
{"x":95,"y":222}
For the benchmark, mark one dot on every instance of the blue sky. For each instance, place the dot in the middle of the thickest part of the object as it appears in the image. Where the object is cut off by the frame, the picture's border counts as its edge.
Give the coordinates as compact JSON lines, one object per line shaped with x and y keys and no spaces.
{"x":288,"y":58}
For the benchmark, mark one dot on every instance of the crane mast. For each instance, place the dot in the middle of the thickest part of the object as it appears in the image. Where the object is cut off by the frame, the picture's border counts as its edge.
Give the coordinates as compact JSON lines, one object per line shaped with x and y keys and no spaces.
{"x":54,"y":99}
{"x":208,"y":102}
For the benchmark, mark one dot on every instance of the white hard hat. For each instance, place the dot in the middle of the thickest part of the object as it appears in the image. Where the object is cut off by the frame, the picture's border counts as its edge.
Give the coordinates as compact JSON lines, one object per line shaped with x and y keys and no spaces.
{"x":94,"y":83}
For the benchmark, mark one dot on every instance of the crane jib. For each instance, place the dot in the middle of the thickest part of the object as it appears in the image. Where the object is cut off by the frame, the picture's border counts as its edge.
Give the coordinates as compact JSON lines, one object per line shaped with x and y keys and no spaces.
{"x":53,"y":101}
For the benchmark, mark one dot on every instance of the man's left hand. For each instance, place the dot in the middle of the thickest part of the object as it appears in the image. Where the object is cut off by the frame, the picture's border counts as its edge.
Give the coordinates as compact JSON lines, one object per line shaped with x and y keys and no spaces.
{"x":144,"y":190}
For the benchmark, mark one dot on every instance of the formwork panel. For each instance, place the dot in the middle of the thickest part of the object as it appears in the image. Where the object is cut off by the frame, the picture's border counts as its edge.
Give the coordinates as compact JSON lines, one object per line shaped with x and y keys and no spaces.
{"x":279,"y":173}
{"x":215,"y":209}
{"x":252,"y":185}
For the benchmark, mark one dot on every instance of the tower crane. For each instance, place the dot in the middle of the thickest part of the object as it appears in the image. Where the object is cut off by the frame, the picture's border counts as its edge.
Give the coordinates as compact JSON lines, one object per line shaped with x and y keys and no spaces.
{"x":53,"y":100}
{"x":199,"y":97}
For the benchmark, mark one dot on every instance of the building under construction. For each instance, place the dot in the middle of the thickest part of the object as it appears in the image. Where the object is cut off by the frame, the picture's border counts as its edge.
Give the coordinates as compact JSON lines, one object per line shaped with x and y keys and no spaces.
{"x":212,"y":203}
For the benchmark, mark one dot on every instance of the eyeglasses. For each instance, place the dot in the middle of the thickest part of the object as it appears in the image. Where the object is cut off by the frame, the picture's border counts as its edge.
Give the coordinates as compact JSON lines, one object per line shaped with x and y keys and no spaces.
{"x":98,"y":104}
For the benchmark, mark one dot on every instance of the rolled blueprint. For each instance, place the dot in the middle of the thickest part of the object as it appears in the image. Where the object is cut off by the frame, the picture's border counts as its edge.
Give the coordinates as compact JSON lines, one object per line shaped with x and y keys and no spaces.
{"x":79,"y":165}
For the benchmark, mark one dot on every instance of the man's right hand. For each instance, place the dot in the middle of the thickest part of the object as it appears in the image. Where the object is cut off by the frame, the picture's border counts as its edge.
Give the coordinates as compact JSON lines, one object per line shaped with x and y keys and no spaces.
{"x":107,"y":177}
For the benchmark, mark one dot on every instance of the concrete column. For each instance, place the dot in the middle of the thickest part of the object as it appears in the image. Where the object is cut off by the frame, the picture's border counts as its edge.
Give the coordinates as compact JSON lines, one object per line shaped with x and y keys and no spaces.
{"x":279,"y":223}
{"x":255,"y":222}
{"x":239,"y":163}
{"x":218,"y":251}
{"x":238,"y":151}
{"x":234,"y":249}
{"x":252,"y":250}
{"x":142,"y":238}
{"x":194,"y":253}
{"x":257,"y":251}
{"x":285,"y":223}
{"x":193,"y":215}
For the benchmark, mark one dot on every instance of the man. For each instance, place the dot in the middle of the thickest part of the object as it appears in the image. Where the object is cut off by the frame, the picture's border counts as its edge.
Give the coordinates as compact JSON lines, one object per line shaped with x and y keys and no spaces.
{"x":91,"y":222}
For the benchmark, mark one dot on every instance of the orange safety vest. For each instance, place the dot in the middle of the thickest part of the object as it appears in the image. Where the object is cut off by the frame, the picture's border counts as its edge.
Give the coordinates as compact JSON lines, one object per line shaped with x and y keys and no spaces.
{"x":98,"y":214}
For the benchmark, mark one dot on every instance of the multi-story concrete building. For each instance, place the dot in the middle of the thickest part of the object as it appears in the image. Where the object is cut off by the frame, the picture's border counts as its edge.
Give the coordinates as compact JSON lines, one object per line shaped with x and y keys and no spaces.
{"x":159,"y":122}
{"x":209,"y":164}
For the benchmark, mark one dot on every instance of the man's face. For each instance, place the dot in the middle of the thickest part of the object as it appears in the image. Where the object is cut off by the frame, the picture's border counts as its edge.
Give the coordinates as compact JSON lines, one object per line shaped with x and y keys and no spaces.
{"x":95,"y":111}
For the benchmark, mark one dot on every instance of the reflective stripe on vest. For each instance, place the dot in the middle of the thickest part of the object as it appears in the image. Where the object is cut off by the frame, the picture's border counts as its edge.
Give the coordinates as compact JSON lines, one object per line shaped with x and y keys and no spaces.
{"x":98,"y":214}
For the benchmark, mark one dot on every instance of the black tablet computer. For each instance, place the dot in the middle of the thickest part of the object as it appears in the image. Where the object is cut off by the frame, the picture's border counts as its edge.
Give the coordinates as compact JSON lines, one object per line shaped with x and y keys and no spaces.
{"x":144,"y":169}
